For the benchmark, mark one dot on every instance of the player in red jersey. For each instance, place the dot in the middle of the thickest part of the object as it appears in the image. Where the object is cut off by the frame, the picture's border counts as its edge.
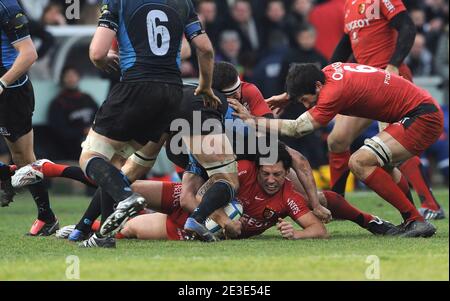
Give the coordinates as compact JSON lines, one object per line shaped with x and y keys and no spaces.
{"x":367,"y":92}
{"x":379,"y":34}
{"x":267,"y":197}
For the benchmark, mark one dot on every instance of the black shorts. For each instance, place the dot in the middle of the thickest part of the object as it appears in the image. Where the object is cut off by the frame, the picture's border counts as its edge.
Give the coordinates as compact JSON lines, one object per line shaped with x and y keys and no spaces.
{"x":194,"y":115}
{"x":16,"y":111}
{"x":139,"y":111}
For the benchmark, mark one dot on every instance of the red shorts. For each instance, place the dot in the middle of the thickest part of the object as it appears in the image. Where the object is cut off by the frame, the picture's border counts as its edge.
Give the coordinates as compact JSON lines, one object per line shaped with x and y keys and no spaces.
{"x":176,"y":216}
{"x":417,"y":133}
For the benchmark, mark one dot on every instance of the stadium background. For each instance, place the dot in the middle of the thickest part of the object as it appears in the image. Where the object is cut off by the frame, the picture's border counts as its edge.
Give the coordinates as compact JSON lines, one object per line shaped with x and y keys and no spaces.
{"x":261,"y":37}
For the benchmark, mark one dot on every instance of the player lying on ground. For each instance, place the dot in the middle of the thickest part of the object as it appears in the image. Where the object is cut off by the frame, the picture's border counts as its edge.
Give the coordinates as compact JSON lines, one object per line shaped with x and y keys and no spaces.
{"x":363,"y":91}
{"x":267,"y":197}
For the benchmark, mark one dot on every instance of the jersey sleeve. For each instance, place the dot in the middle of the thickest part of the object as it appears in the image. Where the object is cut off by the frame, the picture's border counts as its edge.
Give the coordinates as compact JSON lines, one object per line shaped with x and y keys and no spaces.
{"x":391,"y":8}
{"x":109,"y":16}
{"x":296,"y":205}
{"x":258,"y":106}
{"x":193,"y":26}
{"x":14,"y":22}
{"x":328,"y":105}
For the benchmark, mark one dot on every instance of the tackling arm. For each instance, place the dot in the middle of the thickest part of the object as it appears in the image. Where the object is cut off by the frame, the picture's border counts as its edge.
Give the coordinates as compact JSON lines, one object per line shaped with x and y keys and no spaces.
{"x":312,"y":228}
{"x":343,"y":50}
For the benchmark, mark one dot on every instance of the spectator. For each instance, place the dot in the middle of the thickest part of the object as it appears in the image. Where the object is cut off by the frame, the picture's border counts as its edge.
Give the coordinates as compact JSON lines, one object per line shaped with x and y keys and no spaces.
{"x":70,"y":115}
{"x":442,"y":62}
{"x":229,"y":47}
{"x":274,"y":24}
{"x":298,"y":16}
{"x":53,"y":15}
{"x":303,"y":52}
{"x":267,"y":71}
{"x":243,"y":23}
{"x":329,"y":32}
{"x":419,"y":59}
{"x":207,"y":13}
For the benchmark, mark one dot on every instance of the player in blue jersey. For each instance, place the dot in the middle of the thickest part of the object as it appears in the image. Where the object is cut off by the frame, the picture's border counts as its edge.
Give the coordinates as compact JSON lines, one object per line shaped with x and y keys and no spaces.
{"x":17,"y":54}
{"x":140,"y":108}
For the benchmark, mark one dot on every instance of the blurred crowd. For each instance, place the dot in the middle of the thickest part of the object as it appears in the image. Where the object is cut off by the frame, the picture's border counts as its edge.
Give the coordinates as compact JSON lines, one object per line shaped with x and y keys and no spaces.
{"x":262,"y":38}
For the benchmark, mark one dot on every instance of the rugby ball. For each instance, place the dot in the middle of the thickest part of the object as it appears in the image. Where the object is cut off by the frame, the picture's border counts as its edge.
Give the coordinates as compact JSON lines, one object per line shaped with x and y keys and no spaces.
{"x":233,"y":210}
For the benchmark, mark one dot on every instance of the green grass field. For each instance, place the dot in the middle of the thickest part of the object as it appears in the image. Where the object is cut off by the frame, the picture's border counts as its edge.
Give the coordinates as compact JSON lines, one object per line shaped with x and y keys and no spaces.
{"x":268,"y":257}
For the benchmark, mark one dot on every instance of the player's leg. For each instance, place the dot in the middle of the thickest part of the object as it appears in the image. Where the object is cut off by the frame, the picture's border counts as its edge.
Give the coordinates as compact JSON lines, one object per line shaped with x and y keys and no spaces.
{"x":341,"y":209}
{"x":367,"y":165}
{"x":147,"y":227}
{"x":345,"y":131}
{"x":220,"y":164}
{"x":22,"y":154}
{"x":41,"y":169}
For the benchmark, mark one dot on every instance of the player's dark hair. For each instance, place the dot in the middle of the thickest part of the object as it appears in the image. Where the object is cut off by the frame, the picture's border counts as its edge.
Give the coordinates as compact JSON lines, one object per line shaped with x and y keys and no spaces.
{"x":302,"y":78}
{"x":224,"y":75}
{"x":65,"y":69}
{"x":282,"y":155}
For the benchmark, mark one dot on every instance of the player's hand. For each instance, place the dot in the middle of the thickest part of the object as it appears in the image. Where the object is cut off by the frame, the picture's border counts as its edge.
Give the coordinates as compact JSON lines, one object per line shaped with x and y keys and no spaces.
{"x":239,"y":109}
{"x":111,"y":62}
{"x":278,"y":101}
{"x":1,"y":90}
{"x":286,"y":229}
{"x":392,"y":69}
{"x":233,"y":229}
{"x":322,"y":213}
{"x":209,"y":98}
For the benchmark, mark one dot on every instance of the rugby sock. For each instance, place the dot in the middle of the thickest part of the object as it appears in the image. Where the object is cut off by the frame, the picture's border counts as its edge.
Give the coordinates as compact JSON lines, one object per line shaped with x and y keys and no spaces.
{"x":92,"y":213}
{"x":217,"y":196}
{"x":53,"y":170}
{"x":339,"y":171}
{"x":383,"y":184}
{"x":107,"y":205}
{"x":40,"y":196}
{"x":5,"y":172}
{"x":341,"y":209}
{"x":412,"y":170}
{"x":404,"y":186}
{"x":109,"y":178}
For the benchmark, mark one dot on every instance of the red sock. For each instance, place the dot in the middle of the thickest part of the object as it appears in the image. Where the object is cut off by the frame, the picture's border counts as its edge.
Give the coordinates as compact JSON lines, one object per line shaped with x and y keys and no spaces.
{"x":53,"y":170}
{"x":404,"y":186}
{"x":412,"y":170}
{"x":381,"y":182}
{"x":339,"y":170}
{"x":95,"y":227}
{"x":341,"y":209}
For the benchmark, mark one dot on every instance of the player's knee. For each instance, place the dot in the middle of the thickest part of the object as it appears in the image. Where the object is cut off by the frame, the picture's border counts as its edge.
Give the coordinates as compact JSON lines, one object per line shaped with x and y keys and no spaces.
{"x":357,"y":163}
{"x":337,"y":143}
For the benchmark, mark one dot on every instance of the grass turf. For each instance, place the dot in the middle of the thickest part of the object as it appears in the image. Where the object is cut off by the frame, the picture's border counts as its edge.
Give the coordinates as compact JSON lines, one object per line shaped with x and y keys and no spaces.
{"x":267,"y":257}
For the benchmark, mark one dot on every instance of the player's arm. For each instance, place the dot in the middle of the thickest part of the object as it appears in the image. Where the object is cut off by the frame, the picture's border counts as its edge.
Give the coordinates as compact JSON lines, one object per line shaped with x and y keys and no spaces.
{"x":198,"y":38}
{"x":15,"y":25}
{"x":405,"y":39}
{"x":343,"y":50}
{"x":99,"y":50}
{"x":27,"y":56}
{"x":304,"y":173}
{"x":312,"y":228}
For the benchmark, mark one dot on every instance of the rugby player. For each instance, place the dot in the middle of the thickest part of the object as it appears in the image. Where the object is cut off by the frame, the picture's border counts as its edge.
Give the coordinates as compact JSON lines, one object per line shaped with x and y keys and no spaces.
{"x":378,"y":34}
{"x":367,"y":92}
{"x":17,"y":106}
{"x":141,"y":106}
